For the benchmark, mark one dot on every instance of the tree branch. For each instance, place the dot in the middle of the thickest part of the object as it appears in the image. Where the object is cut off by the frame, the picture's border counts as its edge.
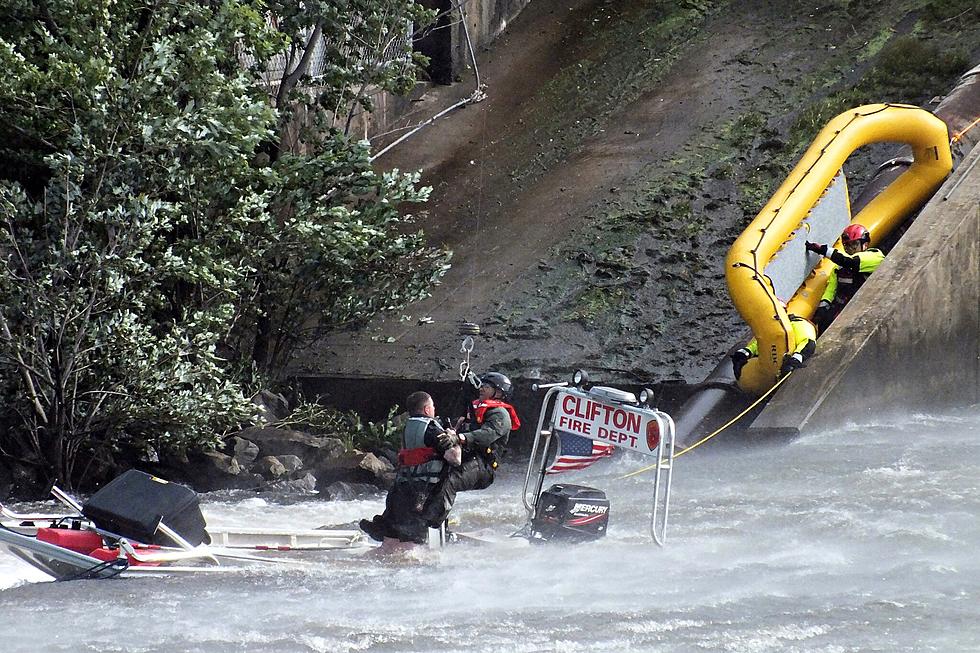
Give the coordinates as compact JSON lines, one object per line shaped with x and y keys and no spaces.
{"x":289,"y":81}
{"x":25,"y":374}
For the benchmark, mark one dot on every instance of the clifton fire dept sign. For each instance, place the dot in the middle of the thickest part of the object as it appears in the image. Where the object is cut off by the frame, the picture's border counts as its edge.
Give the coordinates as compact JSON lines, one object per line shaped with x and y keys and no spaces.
{"x":628,"y":427}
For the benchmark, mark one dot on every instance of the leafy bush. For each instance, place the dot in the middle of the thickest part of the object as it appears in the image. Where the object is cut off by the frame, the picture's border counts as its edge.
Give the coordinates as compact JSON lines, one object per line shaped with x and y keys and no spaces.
{"x":347,"y":426}
{"x":157,"y":234}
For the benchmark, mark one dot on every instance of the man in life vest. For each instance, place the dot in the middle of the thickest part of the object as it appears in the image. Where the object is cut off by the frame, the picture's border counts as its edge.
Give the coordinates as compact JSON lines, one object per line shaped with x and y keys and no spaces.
{"x":805,"y":337}
{"x":851,"y":270}
{"x":489,"y":421}
{"x":421,"y":461}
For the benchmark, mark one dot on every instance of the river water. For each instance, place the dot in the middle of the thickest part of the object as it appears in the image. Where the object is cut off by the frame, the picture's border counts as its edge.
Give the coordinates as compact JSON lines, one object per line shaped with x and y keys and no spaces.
{"x":861,"y":539}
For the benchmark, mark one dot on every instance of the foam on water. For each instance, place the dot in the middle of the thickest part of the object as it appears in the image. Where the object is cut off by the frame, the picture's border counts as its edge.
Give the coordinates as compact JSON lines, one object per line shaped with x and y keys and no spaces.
{"x":860,"y":539}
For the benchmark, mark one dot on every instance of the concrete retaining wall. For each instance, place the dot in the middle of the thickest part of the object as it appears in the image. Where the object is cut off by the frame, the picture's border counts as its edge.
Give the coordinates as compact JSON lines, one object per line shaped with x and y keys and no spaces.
{"x":485,"y":19}
{"x":911,"y":338}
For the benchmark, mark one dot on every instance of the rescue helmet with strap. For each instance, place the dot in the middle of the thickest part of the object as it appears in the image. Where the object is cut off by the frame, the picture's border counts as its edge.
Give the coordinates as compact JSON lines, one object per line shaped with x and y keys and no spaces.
{"x":855,"y":234}
{"x":498,"y":381}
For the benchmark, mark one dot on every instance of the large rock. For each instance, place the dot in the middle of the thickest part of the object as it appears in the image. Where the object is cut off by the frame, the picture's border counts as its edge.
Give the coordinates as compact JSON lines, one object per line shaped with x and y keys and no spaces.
{"x":246,"y":451}
{"x":222,"y":463}
{"x":214,"y":470}
{"x":277,"y":442}
{"x":291,"y":463}
{"x":375,"y":465}
{"x":269,"y":467}
{"x":341,"y":491}
{"x":273,"y":406}
{"x":302,"y":484}
{"x":355,"y":467}
{"x":388,"y":454}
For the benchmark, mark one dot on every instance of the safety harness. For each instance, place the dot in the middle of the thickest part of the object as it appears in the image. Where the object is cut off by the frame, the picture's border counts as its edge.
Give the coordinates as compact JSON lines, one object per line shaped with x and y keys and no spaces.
{"x":850,"y":280}
{"x":851,"y":273}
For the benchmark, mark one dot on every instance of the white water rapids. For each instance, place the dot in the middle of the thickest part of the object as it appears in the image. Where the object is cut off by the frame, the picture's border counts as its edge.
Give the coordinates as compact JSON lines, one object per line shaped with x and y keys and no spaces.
{"x":860,"y":539}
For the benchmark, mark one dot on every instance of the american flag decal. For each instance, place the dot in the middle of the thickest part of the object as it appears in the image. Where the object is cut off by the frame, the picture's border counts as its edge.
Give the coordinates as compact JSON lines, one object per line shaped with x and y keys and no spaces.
{"x":576,"y":452}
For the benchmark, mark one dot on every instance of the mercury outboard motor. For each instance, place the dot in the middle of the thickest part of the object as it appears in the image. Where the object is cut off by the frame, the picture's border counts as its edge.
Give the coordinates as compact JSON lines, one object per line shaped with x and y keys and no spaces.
{"x":570,"y":513}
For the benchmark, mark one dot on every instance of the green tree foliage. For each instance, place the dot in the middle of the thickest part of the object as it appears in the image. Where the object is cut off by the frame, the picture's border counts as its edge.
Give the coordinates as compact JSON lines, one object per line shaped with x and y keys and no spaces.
{"x":334,"y":214}
{"x":347,"y":50}
{"x":150,"y":217}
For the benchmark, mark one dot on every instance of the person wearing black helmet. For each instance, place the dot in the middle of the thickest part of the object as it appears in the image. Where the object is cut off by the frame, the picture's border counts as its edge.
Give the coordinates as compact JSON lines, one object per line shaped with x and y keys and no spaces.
{"x":851,"y":269}
{"x":489,"y":422}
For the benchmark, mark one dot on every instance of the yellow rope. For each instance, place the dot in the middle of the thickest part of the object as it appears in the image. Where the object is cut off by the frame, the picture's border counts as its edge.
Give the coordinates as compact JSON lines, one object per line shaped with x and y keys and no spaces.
{"x":969,"y":127}
{"x":706,"y":438}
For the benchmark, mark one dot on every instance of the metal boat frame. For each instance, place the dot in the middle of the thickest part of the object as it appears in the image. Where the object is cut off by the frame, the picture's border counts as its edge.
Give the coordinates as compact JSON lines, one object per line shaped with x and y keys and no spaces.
{"x":18,"y":533}
{"x":664,"y":450}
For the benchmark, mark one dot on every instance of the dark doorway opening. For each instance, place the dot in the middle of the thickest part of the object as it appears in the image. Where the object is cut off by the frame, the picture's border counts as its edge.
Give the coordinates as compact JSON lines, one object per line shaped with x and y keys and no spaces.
{"x":436,"y":42}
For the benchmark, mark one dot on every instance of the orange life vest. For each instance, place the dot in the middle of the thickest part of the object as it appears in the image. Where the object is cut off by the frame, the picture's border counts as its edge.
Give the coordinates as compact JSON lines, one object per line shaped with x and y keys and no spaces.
{"x":480,"y":407}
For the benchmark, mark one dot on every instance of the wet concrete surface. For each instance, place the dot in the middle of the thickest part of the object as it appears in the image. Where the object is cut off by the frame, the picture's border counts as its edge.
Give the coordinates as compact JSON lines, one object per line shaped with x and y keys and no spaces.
{"x":590,"y":200}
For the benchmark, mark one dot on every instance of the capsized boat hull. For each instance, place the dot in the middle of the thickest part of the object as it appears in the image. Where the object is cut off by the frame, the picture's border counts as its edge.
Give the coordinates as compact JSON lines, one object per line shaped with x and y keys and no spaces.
{"x":63,"y":564}
{"x":54,"y":560}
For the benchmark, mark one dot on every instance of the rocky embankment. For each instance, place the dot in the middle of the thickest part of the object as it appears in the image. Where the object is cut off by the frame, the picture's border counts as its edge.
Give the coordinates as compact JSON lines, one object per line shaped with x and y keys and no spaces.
{"x":287,"y":461}
{"x":270,"y":458}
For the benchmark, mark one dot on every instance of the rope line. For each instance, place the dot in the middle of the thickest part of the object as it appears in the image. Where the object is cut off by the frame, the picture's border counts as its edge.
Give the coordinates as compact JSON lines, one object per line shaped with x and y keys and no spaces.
{"x":716,"y":432}
{"x":959,"y":136}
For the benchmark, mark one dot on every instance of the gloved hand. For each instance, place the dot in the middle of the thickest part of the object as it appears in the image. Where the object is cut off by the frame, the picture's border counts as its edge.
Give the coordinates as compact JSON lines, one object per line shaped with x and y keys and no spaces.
{"x":739,"y":358}
{"x":453,"y":456}
{"x":448,"y":439}
{"x":820,"y":313}
{"x":816,"y":248}
{"x":791,"y":362}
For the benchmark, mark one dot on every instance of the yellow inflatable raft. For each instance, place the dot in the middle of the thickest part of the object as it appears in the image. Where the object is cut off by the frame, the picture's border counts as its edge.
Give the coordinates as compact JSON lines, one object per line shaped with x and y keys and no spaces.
{"x":783,"y":217}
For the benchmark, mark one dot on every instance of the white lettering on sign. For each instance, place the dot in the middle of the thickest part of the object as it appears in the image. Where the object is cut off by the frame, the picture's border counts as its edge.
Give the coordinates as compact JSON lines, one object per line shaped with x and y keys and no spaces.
{"x":623,"y":426}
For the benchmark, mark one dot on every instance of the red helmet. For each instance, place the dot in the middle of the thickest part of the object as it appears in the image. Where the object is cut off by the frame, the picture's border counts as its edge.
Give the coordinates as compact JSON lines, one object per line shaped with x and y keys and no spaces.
{"x":855,"y":233}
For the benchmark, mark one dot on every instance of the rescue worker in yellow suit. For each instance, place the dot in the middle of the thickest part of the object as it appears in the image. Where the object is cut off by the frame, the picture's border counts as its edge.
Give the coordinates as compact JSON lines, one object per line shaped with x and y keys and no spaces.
{"x":805,"y":335}
{"x":851,"y":270}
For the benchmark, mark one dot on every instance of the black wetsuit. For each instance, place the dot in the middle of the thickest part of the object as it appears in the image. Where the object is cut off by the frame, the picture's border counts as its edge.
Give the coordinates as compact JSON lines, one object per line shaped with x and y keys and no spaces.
{"x":413,"y":486}
{"x":488,"y":430}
